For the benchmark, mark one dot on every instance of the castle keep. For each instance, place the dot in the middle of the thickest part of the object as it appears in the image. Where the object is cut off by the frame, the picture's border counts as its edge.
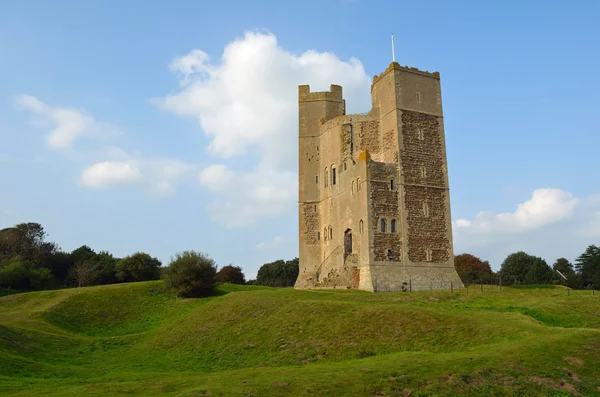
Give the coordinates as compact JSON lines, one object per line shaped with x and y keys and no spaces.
{"x":374,"y":202}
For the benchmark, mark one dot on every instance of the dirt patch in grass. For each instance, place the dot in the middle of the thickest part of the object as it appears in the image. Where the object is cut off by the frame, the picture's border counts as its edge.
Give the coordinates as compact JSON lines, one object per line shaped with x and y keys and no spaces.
{"x":577,"y":362}
{"x":559,"y":385}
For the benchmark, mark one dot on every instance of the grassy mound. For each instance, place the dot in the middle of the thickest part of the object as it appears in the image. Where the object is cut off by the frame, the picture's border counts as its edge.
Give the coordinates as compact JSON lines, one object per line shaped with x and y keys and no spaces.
{"x":135,"y":339}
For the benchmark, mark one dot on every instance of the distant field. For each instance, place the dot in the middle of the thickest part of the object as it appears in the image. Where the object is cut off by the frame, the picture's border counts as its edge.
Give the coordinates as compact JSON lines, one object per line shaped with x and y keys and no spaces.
{"x":135,"y":340}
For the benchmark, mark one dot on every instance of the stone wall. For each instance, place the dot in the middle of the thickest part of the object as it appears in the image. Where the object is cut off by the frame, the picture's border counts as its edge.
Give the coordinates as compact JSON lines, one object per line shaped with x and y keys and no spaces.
{"x":312,"y":224}
{"x":384,"y":205}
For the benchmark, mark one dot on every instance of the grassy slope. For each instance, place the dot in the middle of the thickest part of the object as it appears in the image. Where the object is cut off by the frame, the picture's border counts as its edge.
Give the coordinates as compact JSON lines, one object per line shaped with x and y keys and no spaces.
{"x":251,"y":341}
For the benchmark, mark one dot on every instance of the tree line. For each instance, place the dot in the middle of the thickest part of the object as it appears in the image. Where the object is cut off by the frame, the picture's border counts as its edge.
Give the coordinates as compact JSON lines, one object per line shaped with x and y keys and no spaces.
{"x":521,"y":268}
{"x":28,"y":261}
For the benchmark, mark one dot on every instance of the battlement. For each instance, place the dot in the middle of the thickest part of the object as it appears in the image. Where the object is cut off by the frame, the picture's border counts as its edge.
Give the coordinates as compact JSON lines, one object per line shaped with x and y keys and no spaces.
{"x":333,"y":95}
{"x":397,"y":66}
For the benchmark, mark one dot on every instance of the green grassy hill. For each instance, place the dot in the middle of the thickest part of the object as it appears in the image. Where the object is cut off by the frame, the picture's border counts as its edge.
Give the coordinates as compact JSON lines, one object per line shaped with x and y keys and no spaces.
{"x":133,"y":339}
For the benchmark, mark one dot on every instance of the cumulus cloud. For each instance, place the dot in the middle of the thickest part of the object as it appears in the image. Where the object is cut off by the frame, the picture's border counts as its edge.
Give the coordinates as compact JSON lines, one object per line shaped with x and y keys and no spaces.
{"x":246,"y":103}
{"x":67,"y":125}
{"x":545,"y":206}
{"x":158,"y":176}
{"x":551,"y":224}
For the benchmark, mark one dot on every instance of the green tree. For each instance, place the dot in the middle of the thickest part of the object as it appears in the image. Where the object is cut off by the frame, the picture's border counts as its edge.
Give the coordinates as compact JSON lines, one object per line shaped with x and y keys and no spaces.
{"x":539,"y":272}
{"x":105,"y":266}
{"x":587,"y":266}
{"x":515,"y":267}
{"x":191,"y":274}
{"x":19,"y":273}
{"x":231,"y":274}
{"x":565,"y":267}
{"x":138,"y":267}
{"x":279,"y":273}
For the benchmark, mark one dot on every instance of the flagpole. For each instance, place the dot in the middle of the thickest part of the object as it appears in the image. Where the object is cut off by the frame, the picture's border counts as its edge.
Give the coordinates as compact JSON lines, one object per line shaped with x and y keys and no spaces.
{"x":393,"y":54}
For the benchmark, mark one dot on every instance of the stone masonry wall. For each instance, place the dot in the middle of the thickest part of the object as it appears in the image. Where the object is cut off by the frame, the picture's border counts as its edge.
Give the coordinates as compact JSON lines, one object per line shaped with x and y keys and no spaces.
{"x":422,"y":148}
{"x":426,"y":232}
{"x":311,"y":223}
{"x":384,"y":204}
{"x":425,"y":193}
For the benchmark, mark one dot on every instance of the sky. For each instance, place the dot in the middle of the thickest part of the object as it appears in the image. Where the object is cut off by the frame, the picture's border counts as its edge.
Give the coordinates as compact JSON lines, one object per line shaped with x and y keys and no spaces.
{"x":167,"y":126}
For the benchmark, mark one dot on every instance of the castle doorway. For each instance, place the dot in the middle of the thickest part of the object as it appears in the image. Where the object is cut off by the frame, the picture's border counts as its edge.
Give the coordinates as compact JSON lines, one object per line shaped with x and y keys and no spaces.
{"x":347,"y":242}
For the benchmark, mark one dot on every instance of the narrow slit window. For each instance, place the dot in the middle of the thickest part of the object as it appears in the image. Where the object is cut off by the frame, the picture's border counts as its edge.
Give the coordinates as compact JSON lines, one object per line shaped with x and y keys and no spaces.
{"x":393,"y":226}
{"x":330,"y":233}
{"x":420,"y":134}
{"x":325,"y":233}
{"x":326,"y":176}
{"x":428,"y":254}
{"x":383,"y":225}
{"x":333,"y":175}
{"x":317,"y":179}
{"x":358,"y":184}
{"x":418,"y":97}
{"x":318,"y":236}
{"x":315,"y":208}
{"x":390,"y":256}
{"x":360,"y":226}
{"x":392,"y":184}
{"x":352,"y":187}
{"x":423,"y":172}
{"x":426,"y":209}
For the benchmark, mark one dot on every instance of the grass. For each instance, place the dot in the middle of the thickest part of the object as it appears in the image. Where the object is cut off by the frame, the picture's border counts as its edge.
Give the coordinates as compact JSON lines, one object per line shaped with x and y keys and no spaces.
{"x":134,"y":339}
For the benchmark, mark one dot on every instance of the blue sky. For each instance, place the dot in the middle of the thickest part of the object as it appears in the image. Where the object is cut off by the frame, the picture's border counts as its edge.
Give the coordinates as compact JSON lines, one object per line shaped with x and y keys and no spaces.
{"x":159,"y":127}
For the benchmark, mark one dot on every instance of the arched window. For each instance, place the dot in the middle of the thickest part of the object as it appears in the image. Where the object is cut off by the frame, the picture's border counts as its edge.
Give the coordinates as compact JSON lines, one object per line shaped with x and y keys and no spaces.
{"x":383,"y":225}
{"x":330,"y":233}
{"x":326,"y":178}
{"x":360,"y":226}
{"x":333,"y":175}
{"x":393,"y":226}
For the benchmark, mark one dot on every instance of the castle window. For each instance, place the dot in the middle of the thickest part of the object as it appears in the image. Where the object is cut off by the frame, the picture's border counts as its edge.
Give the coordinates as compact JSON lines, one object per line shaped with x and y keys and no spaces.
{"x":420,"y":134}
{"x":428,"y":254}
{"x":393,"y":226}
{"x":318,"y":236}
{"x":358,"y":184}
{"x":330,"y":233}
{"x":425,"y":209}
{"x":392,"y":184}
{"x":345,"y":166}
{"x":326,"y":176}
{"x":325,"y":233}
{"x":423,"y":172}
{"x":360,"y":226}
{"x":317,"y":179}
{"x":333,"y":175}
{"x":390,"y":256}
{"x":418,"y":97}
{"x":352,"y":187}
{"x":383,"y":225}
{"x":315,"y":208}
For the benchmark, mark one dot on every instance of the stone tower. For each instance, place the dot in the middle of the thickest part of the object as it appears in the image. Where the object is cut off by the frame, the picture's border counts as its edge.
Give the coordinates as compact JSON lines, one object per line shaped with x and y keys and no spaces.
{"x":374,"y":201}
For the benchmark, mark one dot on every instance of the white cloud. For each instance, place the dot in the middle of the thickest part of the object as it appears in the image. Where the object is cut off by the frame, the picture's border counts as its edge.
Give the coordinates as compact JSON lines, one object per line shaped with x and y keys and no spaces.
{"x":158,"y":176}
{"x":67,"y":125}
{"x":247,"y":103}
{"x":545,"y":206}
{"x":276,"y":241}
{"x":551,"y":224}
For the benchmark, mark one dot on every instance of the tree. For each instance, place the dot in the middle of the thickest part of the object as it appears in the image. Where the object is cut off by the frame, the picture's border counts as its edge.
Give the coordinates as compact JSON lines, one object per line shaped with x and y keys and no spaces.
{"x":515,"y":267}
{"x":138,"y":267}
{"x":105,"y":266}
{"x":82,"y":254}
{"x":279,"y":273}
{"x":84,"y":274}
{"x":231,"y":274}
{"x":19,"y":273}
{"x":565,"y":267}
{"x":588,"y":267}
{"x":191,"y":274}
{"x":470,"y":268}
{"x":539,"y":272}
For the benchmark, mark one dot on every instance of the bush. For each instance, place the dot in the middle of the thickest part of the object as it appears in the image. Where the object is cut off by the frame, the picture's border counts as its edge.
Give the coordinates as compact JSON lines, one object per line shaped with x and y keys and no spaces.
{"x":279,"y":273}
{"x":191,"y":274}
{"x":138,"y":267}
{"x":231,"y":274}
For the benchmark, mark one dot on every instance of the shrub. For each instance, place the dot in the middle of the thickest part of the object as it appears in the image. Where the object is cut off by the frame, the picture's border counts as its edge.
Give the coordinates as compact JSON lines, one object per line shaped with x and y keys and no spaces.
{"x":191,"y":274}
{"x":231,"y":274}
{"x":138,"y":267}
